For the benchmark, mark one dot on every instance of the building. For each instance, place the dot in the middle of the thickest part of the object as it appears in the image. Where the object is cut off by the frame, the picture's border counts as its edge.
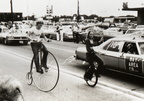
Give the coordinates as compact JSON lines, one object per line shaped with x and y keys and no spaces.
{"x":8,"y":16}
{"x":140,"y":10}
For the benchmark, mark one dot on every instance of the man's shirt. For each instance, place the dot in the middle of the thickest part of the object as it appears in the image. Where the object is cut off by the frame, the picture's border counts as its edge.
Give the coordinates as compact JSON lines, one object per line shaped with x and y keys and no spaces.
{"x":35,"y":34}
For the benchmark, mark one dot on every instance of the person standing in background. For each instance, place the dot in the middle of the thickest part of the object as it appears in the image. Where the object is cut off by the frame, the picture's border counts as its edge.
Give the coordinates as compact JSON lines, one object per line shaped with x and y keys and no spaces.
{"x":58,"y":30}
{"x":61,"y":33}
{"x":76,"y":35}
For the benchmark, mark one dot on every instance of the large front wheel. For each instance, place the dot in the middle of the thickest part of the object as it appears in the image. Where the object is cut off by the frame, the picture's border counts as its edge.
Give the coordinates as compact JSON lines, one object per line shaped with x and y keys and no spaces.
{"x":49,"y":79}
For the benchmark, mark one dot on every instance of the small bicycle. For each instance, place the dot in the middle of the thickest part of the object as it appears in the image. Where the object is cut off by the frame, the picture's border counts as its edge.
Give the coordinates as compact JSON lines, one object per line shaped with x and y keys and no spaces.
{"x":94,"y":78}
{"x":49,"y":79}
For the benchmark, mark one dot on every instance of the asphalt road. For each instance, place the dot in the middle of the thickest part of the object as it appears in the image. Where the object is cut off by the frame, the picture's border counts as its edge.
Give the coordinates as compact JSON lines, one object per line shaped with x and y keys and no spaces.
{"x":15,"y":60}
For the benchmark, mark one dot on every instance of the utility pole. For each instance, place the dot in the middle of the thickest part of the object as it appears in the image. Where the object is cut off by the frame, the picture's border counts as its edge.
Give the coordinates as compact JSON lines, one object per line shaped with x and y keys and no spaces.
{"x":11,"y":4}
{"x":27,"y":11}
{"x":78,"y":14}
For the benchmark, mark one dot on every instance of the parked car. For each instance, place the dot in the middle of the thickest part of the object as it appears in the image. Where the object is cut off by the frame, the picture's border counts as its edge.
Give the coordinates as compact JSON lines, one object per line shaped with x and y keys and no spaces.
{"x":45,"y":29}
{"x":51,"y":32}
{"x":6,"y":36}
{"x":113,"y":31}
{"x":98,"y":32}
{"x":140,"y":26}
{"x":130,"y":31}
{"x":125,"y":54}
{"x":67,"y":32}
{"x":24,"y":28}
{"x":124,"y":27}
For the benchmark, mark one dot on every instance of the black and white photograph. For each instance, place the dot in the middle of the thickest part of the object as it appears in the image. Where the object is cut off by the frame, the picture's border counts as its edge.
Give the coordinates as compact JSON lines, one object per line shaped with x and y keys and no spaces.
{"x":71,"y":50}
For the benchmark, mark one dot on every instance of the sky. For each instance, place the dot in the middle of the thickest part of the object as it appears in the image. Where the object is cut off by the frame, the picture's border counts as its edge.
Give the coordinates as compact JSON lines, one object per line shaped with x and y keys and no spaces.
{"x":69,"y":7}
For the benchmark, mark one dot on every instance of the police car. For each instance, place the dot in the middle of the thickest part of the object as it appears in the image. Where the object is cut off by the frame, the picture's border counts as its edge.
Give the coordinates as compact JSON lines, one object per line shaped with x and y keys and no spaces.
{"x":125,"y":53}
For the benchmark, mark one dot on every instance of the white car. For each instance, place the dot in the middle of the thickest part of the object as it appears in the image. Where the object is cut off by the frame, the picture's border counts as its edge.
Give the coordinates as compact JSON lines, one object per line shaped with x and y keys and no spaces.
{"x":6,"y":36}
{"x":113,"y":31}
{"x":51,"y":32}
{"x":67,"y":32}
{"x":140,"y":26}
{"x":45,"y":29}
{"x":24,"y":28}
{"x":130,"y":31}
{"x":125,"y":54}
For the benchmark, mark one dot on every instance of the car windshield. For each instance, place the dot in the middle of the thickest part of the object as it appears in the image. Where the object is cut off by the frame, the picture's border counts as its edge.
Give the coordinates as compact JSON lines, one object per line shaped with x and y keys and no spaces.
{"x":141,"y":46}
{"x":132,"y":31}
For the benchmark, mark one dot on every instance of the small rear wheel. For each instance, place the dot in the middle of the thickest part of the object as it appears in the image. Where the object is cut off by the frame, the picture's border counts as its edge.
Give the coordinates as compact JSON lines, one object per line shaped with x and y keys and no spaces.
{"x":29,"y":78}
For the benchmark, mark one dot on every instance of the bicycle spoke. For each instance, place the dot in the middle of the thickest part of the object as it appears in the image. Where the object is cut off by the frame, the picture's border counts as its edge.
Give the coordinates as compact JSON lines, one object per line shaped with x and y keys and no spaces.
{"x":48,"y":80}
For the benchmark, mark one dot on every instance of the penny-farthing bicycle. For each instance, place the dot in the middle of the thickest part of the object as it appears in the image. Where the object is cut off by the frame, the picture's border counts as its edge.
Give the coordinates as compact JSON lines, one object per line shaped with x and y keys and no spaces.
{"x":49,"y":79}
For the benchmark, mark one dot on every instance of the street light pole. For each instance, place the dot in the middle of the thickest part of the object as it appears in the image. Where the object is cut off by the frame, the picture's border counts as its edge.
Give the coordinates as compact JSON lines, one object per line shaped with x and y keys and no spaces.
{"x":11,"y":4}
{"x":78,"y":14}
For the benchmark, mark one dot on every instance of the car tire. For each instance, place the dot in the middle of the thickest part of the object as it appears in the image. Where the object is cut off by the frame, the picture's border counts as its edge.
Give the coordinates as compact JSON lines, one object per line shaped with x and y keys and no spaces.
{"x":25,"y":42}
{"x":83,"y":41}
{"x":5,"y":41}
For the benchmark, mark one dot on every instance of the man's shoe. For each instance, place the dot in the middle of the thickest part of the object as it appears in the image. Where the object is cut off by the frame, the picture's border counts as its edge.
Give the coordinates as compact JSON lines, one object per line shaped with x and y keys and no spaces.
{"x":40,"y":71}
{"x":46,"y":68}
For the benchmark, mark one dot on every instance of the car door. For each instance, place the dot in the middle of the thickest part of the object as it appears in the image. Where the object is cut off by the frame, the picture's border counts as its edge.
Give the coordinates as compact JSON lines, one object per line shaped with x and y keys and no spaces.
{"x":130,"y":62}
{"x":111,"y":53}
